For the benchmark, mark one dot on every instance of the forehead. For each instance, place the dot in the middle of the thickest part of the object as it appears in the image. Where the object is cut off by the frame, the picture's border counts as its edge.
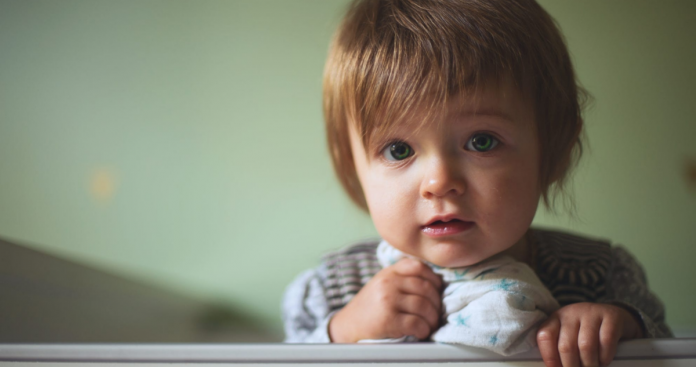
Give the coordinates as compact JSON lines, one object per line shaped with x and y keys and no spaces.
{"x":496,"y":101}
{"x":500,"y":100}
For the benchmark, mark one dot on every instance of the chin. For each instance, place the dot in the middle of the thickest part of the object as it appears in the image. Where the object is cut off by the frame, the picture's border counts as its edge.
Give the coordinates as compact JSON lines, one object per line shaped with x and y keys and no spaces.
{"x":453,"y":258}
{"x":457,"y":264}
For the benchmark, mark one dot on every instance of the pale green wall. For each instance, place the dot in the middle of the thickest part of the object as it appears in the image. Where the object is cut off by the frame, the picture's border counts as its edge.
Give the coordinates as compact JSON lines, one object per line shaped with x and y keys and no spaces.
{"x":181,"y":142}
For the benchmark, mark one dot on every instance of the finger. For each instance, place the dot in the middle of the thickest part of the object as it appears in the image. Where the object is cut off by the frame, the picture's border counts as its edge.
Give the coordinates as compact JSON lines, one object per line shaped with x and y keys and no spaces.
{"x":609,"y":336}
{"x":408,"y":324}
{"x":421,"y":287}
{"x":413,"y":267}
{"x":568,"y":343}
{"x":547,"y":339}
{"x":420,"y":306}
{"x":588,"y":342}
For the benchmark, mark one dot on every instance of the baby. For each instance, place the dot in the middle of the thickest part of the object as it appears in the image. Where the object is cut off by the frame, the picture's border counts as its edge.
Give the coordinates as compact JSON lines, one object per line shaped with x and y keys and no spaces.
{"x":448,"y":121}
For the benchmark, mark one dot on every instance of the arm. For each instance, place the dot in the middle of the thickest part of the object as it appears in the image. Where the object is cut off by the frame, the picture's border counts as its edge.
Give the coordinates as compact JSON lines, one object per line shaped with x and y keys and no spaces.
{"x":400,"y":300}
{"x":587,"y":333}
{"x":305,"y":309}
{"x":627,"y":287}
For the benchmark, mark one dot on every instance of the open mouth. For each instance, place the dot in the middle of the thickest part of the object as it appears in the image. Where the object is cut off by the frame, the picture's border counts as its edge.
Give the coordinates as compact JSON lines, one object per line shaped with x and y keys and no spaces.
{"x":441,"y":228}
{"x":440,"y":222}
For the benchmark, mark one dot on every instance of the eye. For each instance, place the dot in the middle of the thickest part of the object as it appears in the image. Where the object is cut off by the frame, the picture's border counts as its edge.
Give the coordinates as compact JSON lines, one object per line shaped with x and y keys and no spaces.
{"x":481,"y":142}
{"x":397,"y":151}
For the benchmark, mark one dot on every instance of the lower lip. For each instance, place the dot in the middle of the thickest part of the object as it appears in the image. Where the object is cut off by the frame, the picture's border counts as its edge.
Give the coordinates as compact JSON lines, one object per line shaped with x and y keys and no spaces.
{"x":447,"y":229}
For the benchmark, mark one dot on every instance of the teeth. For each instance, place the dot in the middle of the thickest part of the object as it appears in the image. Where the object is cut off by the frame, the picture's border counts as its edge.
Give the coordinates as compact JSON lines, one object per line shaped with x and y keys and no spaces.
{"x":444,"y":221}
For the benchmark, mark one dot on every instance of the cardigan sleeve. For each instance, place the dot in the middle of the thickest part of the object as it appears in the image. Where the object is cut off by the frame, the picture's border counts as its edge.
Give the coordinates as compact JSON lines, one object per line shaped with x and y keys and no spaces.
{"x":305,"y":309}
{"x":627,"y":286}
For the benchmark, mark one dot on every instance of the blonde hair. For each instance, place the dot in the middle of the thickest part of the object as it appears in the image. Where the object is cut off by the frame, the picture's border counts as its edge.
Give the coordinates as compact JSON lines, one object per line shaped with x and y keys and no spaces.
{"x":391,"y":56}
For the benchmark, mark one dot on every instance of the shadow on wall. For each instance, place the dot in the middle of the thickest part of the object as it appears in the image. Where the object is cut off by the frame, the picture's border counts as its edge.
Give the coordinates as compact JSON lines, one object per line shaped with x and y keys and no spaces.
{"x":46,"y":299}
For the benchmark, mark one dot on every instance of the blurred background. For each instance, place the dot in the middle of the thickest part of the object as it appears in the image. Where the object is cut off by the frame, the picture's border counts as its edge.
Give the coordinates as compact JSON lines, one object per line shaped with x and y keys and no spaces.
{"x":164,"y":175}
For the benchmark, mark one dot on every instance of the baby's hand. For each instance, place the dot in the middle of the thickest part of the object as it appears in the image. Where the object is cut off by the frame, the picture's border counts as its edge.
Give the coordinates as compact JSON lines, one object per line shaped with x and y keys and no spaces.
{"x":585,"y":334}
{"x":402,"y":299}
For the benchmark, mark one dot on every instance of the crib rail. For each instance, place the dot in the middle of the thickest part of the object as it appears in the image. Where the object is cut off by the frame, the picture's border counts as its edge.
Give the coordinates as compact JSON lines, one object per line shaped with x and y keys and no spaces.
{"x":679,"y":351}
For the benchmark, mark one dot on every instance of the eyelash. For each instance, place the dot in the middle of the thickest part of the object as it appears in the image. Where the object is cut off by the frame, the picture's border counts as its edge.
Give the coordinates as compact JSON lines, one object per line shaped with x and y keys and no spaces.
{"x":494,"y":141}
{"x":387,"y":149}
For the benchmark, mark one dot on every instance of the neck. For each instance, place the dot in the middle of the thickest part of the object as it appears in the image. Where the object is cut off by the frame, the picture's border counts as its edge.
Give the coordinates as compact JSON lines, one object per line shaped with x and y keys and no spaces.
{"x":521,"y":250}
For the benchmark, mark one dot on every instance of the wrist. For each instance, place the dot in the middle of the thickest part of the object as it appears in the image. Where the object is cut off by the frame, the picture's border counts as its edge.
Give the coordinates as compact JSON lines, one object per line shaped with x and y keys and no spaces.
{"x":633,"y":328}
{"x":338,"y":333}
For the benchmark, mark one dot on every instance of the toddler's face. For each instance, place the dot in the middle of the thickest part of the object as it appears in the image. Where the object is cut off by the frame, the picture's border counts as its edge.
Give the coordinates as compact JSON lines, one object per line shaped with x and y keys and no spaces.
{"x":457,"y":192}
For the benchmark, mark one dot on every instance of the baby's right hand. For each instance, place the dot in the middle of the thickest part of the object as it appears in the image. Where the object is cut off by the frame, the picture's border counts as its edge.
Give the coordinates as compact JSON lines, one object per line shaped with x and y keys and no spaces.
{"x":400,"y":300}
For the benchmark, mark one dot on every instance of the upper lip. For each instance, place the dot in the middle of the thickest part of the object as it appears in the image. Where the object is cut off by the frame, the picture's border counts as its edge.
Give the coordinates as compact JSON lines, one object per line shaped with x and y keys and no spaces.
{"x":445,"y":218}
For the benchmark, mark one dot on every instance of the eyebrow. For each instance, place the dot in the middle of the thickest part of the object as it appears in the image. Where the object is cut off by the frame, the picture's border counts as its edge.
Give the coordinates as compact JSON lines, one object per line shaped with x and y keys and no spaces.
{"x":484,"y":112}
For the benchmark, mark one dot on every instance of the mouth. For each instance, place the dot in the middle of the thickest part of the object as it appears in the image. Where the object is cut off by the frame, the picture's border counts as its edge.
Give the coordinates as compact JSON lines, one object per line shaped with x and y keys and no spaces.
{"x":441,"y":227}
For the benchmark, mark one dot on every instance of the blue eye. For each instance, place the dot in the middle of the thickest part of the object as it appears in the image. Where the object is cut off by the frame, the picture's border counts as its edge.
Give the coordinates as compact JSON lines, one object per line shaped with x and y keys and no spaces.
{"x":481,"y":142}
{"x":397,"y":151}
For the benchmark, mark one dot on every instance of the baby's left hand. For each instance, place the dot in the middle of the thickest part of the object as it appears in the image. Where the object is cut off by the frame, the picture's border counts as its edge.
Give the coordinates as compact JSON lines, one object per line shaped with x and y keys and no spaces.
{"x":585,"y":334}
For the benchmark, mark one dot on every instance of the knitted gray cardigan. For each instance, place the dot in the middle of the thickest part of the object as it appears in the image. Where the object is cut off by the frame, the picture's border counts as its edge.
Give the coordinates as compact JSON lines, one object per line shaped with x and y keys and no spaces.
{"x":575,"y":269}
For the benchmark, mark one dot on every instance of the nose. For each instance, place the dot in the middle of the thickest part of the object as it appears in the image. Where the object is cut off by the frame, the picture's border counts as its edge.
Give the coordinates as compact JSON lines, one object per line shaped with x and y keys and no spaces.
{"x":442,"y":177}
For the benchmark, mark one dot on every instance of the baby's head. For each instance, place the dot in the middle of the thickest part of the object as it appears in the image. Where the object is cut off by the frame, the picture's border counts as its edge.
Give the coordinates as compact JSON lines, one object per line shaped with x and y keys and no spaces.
{"x":448,"y":120}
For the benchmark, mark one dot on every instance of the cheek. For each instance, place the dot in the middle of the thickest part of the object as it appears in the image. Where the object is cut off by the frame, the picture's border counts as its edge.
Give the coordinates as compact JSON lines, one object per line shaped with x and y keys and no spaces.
{"x":389,"y":205}
{"x":510,"y":196}
{"x":522,"y":196}
{"x":522,"y":181}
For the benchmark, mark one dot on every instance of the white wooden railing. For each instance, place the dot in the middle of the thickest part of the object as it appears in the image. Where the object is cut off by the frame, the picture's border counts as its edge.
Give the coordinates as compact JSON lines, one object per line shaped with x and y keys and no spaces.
{"x":662,"y":352}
